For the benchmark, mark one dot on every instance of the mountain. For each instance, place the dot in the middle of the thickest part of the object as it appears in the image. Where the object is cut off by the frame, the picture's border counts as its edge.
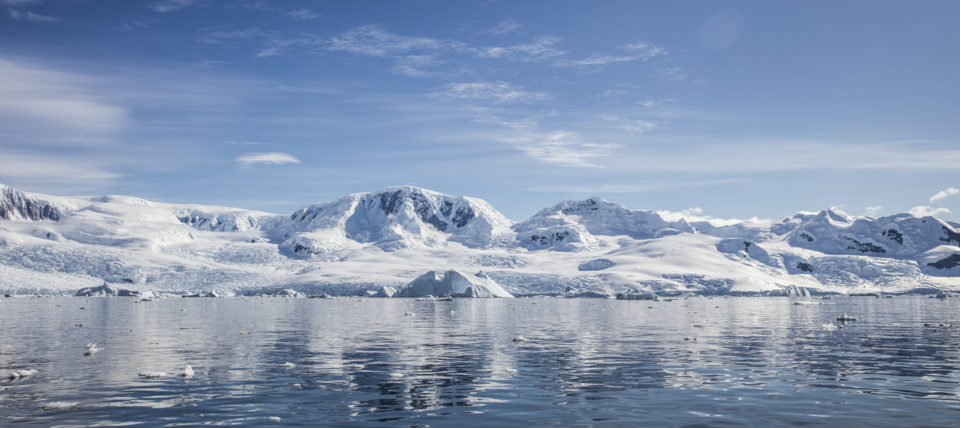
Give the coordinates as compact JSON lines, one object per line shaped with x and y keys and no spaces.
{"x":393,"y":219}
{"x":573,"y":225}
{"x":369,"y":242}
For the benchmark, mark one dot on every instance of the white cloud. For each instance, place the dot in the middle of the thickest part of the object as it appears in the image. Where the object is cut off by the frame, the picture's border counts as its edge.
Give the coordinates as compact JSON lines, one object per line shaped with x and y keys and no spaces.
{"x":671,"y":73}
{"x":372,"y":40}
{"x":48,"y":168}
{"x":17,"y":2}
{"x":639,"y":51}
{"x":504,"y":27}
{"x":165,"y":6}
{"x":30,"y":16}
{"x":413,"y":65}
{"x":499,"y":92}
{"x":873,"y":210}
{"x":303,"y":14}
{"x":943,"y":194}
{"x":698,"y":214}
{"x":562,"y":148}
{"x":43,"y":100}
{"x":541,"y":48}
{"x":926,"y":210}
{"x":274,"y":158}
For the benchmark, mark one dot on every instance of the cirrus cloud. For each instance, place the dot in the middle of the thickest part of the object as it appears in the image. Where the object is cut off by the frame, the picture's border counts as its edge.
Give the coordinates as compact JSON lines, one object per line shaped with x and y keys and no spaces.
{"x":273,"y":158}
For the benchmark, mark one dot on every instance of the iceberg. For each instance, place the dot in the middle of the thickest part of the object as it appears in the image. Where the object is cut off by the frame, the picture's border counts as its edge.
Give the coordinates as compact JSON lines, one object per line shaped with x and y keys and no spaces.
{"x":453,"y":284}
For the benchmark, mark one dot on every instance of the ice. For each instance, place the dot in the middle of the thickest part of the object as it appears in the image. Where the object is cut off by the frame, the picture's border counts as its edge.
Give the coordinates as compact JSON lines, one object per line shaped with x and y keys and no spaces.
{"x":91,"y":349}
{"x":152,"y":374}
{"x":845,"y":318}
{"x":187,"y":372}
{"x":17,"y":374}
{"x":287,"y":365}
{"x":453,"y":284}
{"x":61,"y":405}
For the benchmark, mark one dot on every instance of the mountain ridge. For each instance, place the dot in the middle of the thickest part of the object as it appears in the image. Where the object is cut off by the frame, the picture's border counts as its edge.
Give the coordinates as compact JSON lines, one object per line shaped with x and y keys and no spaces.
{"x":393,"y":235}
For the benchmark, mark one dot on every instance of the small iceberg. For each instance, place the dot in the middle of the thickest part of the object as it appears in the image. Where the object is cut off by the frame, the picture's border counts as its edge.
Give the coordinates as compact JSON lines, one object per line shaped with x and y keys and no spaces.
{"x":519,"y":339}
{"x":287,"y":365}
{"x":187,"y":372}
{"x":638,"y":296}
{"x":61,"y":405}
{"x":942,"y":295}
{"x":91,"y":349}
{"x":829,"y":326}
{"x":151,"y":374}
{"x":846,"y":318}
{"x":17,"y":374}
{"x":285,"y":292}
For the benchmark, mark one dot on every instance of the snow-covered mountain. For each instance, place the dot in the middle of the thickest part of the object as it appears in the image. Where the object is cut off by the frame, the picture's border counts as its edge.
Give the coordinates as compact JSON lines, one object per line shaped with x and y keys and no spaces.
{"x":388,"y":238}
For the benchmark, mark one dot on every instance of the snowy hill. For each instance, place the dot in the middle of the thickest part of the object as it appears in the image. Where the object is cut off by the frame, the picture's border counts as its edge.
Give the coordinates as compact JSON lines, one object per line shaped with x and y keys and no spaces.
{"x":368,"y":241}
{"x":573,"y":225}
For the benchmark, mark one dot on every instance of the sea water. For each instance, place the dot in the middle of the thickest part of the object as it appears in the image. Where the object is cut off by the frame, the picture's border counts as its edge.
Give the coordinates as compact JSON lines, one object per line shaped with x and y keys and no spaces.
{"x":402,"y":362}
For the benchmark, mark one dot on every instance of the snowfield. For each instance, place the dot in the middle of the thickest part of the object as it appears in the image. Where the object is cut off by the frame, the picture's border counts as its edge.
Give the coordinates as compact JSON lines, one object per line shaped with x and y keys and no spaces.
{"x":405,"y":240}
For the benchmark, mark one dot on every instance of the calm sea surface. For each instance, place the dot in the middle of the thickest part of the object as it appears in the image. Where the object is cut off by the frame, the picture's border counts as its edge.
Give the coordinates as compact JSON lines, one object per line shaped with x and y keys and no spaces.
{"x":400,"y":362}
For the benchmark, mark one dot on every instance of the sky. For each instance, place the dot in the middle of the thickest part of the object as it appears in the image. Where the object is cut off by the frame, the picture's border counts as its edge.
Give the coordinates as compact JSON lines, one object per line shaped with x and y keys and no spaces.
{"x":710,"y":108}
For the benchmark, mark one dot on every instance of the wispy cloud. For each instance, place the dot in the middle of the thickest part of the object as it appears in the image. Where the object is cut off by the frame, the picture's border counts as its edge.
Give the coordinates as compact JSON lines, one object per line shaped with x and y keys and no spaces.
{"x":37,"y":98}
{"x":270,"y":43}
{"x":541,"y":48}
{"x":48,"y":169}
{"x":165,"y":6}
{"x":639,"y":51}
{"x":926,"y":210}
{"x":415,"y":65}
{"x":244,"y":143}
{"x":504,"y":27}
{"x":873,"y":210}
{"x":498,"y":92}
{"x":303,"y":14}
{"x":670,"y":73}
{"x":30,"y":16}
{"x":274,"y":158}
{"x":698,"y":214}
{"x":562,"y":148}
{"x":646,"y":186}
{"x":944,"y":194}
{"x":373,"y":40}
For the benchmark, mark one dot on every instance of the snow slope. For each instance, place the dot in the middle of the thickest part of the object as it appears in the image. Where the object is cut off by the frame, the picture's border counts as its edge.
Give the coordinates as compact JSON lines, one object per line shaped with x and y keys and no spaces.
{"x":368,"y":241}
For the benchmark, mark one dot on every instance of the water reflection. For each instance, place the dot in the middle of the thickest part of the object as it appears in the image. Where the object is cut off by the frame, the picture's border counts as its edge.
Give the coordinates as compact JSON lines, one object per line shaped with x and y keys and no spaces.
{"x":376,"y":361}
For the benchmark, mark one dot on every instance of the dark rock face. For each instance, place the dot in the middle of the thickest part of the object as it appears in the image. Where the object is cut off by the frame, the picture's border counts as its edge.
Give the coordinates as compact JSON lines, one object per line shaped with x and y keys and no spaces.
{"x":951,"y":236}
{"x":806,"y":267}
{"x":16,"y":205}
{"x":947,"y":262}
{"x":592,"y":204}
{"x":547,"y":239}
{"x":391,"y":202}
{"x":804,"y":235}
{"x":864,"y":247}
{"x":894,"y":235}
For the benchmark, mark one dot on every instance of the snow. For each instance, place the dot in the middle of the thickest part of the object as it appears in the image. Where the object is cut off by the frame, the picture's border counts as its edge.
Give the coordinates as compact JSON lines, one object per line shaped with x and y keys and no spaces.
{"x":377,"y":243}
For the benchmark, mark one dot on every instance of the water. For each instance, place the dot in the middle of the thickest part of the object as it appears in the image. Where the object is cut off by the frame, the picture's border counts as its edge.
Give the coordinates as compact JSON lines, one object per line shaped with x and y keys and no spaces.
{"x":400,"y":362}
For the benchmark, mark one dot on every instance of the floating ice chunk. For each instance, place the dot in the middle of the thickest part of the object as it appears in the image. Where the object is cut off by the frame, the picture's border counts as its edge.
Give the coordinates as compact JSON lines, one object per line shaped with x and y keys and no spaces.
{"x":804,"y":303}
{"x":287,"y":365}
{"x":91,"y":349}
{"x":519,"y":339}
{"x":151,"y":374}
{"x":17,"y":374}
{"x":61,"y":405}
{"x":275,"y":418}
{"x":396,"y":375}
{"x":187,"y":371}
{"x":828,"y":326}
{"x":846,"y":317}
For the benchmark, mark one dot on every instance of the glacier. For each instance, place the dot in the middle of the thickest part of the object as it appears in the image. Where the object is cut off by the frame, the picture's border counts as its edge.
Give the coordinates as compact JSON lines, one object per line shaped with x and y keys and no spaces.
{"x":378,"y":243}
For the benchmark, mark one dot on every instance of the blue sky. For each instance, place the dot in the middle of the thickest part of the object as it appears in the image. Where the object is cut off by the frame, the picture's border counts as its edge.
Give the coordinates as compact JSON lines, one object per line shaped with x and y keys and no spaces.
{"x":726,"y":109}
